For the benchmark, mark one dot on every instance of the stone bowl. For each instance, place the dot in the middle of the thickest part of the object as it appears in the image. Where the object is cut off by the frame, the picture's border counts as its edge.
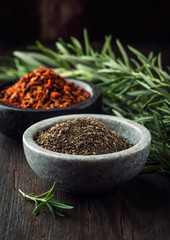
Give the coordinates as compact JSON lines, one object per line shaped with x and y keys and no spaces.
{"x":14,"y":121}
{"x":89,"y":174}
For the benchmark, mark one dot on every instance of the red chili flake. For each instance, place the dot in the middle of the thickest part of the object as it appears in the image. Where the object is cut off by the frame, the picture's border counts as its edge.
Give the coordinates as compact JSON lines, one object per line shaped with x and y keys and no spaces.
{"x":43,"y":89}
{"x":55,"y":94}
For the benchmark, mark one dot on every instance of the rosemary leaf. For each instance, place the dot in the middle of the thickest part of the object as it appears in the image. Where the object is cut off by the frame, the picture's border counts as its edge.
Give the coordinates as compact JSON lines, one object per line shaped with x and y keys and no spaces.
{"x":123,"y":52}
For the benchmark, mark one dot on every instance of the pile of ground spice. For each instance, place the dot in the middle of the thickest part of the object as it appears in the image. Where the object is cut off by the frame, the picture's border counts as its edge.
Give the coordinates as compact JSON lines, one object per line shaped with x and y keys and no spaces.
{"x":81,"y":136}
{"x":43,"y":89}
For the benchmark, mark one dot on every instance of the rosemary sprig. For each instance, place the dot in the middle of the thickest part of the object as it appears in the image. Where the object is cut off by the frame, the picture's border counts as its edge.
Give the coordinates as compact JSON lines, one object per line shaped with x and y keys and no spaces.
{"x":47,"y":198}
{"x":136,"y":88}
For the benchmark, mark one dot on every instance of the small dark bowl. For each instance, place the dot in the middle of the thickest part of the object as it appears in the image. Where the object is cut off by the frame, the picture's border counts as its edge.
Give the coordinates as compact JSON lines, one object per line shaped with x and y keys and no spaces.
{"x":14,"y":121}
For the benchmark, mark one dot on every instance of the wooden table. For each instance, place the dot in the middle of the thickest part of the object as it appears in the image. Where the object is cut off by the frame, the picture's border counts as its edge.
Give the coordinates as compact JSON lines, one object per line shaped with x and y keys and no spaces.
{"x":139,"y":210}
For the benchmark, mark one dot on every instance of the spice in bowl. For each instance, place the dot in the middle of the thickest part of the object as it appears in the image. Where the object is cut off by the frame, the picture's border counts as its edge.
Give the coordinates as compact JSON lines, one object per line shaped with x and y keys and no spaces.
{"x":81,"y":136}
{"x":43,"y":89}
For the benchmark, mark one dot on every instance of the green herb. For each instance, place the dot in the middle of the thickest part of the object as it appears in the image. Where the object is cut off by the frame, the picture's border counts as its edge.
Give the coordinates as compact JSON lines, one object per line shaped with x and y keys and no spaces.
{"x":137,"y":88}
{"x":47,"y":198}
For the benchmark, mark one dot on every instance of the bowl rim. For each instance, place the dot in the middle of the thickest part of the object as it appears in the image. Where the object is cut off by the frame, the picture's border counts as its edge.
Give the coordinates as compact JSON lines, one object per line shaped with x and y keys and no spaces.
{"x":30,"y":132}
{"x":93,"y":97}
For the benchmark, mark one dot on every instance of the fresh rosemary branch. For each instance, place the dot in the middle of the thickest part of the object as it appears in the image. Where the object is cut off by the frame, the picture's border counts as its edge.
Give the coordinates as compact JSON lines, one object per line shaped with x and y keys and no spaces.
{"x":47,"y":198}
{"x":137,"y":88}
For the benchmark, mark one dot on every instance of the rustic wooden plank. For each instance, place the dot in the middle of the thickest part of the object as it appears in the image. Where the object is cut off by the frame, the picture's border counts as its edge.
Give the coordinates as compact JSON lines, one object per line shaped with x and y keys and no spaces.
{"x":61,"y":18}
{"x":139,"y":210}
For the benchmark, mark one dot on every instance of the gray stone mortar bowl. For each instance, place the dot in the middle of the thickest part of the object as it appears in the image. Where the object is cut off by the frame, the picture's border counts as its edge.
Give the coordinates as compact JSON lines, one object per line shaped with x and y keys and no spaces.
{"x":89,"y":174}
{"x":14,"y":121}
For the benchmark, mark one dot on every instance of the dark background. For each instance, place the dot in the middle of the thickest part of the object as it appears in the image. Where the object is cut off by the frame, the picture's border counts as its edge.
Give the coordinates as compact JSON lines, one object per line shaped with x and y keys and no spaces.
{"x":143,"y":24}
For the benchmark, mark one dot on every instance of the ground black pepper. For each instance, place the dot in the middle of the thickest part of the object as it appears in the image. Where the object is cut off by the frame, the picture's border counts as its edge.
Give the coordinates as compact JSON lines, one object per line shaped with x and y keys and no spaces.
{"x":81,"y":136}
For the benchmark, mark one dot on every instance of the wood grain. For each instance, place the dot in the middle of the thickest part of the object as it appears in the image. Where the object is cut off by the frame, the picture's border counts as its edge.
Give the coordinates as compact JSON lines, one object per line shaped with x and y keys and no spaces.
{"x":139,"y":210}
{"x":61,"y":18}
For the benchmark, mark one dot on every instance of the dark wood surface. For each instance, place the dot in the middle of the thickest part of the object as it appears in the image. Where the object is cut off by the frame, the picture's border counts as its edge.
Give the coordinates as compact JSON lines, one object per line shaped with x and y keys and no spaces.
{"x":139,"y":210}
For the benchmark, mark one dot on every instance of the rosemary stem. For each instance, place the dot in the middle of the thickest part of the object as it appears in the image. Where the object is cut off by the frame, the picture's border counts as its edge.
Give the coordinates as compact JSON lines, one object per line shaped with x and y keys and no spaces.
{"x":24,"y":195}
{"x":48,"y":200}
{"x":33,"y":197}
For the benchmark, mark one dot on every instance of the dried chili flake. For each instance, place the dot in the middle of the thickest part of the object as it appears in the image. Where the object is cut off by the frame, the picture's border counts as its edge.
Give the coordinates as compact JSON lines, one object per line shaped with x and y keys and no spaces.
{"x":43,"y":89}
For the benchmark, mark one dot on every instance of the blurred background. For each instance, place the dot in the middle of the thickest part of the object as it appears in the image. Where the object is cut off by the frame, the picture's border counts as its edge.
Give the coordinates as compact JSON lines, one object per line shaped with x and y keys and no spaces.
{"x":143,"y":24}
